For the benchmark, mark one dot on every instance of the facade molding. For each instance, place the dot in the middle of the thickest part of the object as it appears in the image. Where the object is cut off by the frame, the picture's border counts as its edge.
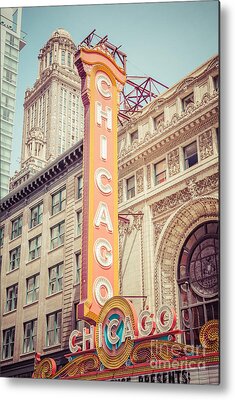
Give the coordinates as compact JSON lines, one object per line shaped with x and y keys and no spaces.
{"x":171,"y":239}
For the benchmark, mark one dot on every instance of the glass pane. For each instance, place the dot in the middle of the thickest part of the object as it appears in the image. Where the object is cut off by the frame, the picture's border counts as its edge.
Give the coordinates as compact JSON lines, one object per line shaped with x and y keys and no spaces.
{"x":50,"y":323}
{"x":190,"y":149}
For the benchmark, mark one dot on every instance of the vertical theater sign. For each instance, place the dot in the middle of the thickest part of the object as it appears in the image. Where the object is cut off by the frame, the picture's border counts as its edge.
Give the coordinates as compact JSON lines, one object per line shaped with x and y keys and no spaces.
{"x":102,"y":80}
{"x":119,"y":345}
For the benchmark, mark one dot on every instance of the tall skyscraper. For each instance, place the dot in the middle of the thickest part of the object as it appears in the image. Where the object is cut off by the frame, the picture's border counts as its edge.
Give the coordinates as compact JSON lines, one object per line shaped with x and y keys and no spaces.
{"x":53,"y":109}
{"x":12,"y":41}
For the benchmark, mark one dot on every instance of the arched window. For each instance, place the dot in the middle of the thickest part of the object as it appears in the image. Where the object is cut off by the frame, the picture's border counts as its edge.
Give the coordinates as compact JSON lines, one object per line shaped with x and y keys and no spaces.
{"x":198,"y":280}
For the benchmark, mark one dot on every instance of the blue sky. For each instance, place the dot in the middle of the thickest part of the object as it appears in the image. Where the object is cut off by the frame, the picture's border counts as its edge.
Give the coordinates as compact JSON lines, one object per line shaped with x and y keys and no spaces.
{"x":163,"y":40}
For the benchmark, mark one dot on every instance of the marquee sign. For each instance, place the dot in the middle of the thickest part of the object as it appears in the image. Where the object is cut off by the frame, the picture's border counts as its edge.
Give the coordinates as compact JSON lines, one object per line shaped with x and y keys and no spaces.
{"x":116,"y":329}
{"x":117,"y":353}
{"x":102,"y":80}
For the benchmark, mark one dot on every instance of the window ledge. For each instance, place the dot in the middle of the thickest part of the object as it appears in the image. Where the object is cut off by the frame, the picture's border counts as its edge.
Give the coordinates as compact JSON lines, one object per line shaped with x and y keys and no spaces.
{"x":59,"y":212}
{"x":52,"y":348}
{"x":3,"y":360}
{"x":9,"y":312}
{"x":30,"y":261}
{"x":30,"y":304}
{"x":15,"y":238}
{"x":30,"y":353}
{"x":35,"y":226}
{"x":61,"y":245}
{"x":12,"y":270}
{"x":53,"y":294}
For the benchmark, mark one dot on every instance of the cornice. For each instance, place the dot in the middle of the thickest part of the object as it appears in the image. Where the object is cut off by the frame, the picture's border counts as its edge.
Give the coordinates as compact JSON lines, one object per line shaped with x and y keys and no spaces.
{"x":58,"y":166}
{"x":198,"y":119}
{"x":173,"y":92}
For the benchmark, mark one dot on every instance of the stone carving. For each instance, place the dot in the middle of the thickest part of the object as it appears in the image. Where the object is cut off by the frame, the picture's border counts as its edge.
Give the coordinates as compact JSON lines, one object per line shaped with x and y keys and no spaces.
{"x":173,"y":162}
{"x":193,"y":190}
{"x":170,"y":202}
{"x":158,"y":226}
{"x":168,"y":249}
{"x":120,"y":191}
{"x":205,"y":144}
{"x":140,"y":180}
{"x":191,"y":185}
{"x":137,"y":222}
{"x":148,"y":176}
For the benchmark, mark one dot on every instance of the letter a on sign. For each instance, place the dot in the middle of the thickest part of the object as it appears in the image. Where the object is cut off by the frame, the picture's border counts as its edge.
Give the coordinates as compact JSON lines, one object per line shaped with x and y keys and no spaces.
{"x":102,"y":80}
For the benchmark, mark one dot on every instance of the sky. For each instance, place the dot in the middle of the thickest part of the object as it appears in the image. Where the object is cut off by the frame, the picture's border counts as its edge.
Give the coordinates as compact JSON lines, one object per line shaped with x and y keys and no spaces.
{"x":164,"y":40}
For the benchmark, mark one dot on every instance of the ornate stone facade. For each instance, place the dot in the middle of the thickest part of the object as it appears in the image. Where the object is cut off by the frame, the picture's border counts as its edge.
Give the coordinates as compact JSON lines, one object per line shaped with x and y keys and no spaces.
{"x":173,"y":159}
{"x":206,"y":144}
{"x":182,"y":197}
{"x":165,"y":207}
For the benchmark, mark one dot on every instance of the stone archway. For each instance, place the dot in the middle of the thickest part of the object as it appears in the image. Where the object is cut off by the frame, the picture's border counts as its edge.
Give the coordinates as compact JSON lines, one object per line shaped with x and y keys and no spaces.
{"x":177,"y":228}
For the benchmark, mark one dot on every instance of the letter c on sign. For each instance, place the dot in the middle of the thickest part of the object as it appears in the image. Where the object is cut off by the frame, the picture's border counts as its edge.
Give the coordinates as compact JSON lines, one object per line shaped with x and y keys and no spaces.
{"x":104,"y":188}
{"x":103,"y":79}
{"x":73,"y":345}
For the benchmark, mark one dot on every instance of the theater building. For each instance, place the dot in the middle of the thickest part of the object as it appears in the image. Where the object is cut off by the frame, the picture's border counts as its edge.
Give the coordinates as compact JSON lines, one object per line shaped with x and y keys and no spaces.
{"x":168,"y":176}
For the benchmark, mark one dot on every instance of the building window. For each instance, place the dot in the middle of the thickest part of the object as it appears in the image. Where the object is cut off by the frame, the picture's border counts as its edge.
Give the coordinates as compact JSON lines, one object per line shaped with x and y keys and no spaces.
{"x":187,"y":100}
{"x":53,"y":334}
{"x":14,"y":258}
{"x":79,"y":223}
{"x":216,"y":82}
{"x":160,"y":172}
{"x":80,"y":324}
{"x":78,"y":268}
{"x":198,"y":280}
{"x":14,"y":20}
{"x":58,"y":201}
{"x":8,"y":343}
{"x":36,"y":215}
{"x":130,"y":187}
{"x":63,"y":57}
{"x":11,"y":301}
{"x":80,"y":187}
{"x":190,"y":155}
{"x":30,"y":336}
{"x":16,"y":227}
{"x":1,"y":235}
{"x":157,"y":120}
{"x":35,"y":247}
{"x":55,"y":278}
{"x":32,"y":289}
{"x":50,"y":58}
{"x":134,"y":136}
{"x":69,"y":59}
{"x":57,"y":235}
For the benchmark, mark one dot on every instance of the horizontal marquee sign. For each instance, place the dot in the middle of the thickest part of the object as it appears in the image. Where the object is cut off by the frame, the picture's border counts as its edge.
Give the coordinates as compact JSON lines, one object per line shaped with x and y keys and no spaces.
{"x":124,"y":345}
{"x":117,"y":327}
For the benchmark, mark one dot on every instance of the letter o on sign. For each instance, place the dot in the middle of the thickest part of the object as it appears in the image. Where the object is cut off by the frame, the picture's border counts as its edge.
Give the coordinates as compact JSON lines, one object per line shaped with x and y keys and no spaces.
{"x":103,"y":290}
{"x":165,"y":318}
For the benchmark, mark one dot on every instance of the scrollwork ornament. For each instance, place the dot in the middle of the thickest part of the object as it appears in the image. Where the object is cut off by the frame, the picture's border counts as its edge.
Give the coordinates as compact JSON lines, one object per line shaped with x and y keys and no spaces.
{"x":46,"y":369}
